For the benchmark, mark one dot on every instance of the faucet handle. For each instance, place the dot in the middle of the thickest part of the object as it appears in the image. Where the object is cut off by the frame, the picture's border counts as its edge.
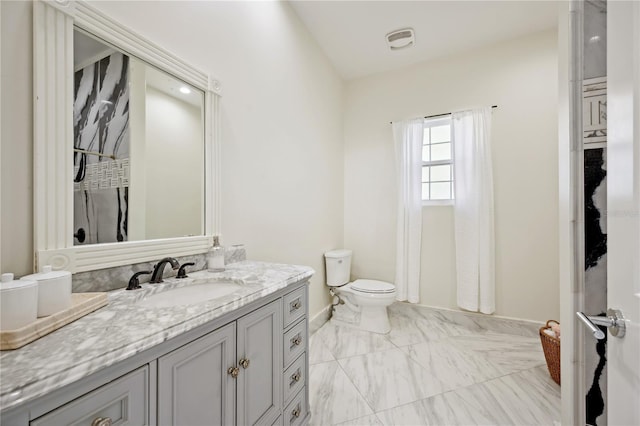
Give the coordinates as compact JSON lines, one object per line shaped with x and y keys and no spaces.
{"x":134,"y":284}
{"x":181,"y":272}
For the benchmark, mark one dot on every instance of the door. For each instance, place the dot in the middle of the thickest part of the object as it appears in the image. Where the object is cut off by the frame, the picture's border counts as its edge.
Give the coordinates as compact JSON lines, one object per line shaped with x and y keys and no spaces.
{"x":260,"y":363}
{"x":623,"y":200}
{"x":194,"y":387}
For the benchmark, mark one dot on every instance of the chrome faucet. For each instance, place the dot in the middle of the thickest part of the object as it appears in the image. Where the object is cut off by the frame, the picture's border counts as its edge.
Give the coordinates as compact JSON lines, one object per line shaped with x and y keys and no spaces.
{"x":156,"y":277}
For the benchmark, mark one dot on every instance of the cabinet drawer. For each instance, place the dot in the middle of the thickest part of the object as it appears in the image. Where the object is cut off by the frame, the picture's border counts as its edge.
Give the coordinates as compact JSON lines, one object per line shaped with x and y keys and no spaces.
{"x":296,"y":411}
{"x":294,"y":378}
{"x":295,"y":342}
{"x":295,"y":305}
{"x":123,"y":401}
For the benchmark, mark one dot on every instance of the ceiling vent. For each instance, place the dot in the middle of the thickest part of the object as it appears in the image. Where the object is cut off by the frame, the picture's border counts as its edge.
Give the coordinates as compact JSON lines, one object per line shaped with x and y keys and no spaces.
{"x":401,"y":39}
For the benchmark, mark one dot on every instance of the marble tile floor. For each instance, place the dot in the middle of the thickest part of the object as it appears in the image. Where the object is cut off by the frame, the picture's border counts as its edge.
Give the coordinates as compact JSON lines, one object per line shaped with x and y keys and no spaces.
{"x":429,"y":371}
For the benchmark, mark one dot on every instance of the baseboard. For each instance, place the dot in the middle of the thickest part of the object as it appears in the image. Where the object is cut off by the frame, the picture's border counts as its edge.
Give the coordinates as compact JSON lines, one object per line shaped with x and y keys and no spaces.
{"x":319,"y":319}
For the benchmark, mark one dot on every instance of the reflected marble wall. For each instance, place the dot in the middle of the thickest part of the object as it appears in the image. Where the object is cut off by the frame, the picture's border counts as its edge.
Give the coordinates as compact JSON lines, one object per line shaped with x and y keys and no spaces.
{"x":101,"y":125}
{"x":595,"y":196}
{"x":595,"y":186}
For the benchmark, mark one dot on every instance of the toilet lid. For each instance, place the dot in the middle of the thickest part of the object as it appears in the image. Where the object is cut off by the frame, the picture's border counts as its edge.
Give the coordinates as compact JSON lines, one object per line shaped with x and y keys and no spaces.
{"x":373,"y":286}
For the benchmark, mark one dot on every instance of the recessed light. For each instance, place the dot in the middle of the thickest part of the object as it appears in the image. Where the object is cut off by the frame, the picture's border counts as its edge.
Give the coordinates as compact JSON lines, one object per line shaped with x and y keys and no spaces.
{"x":185,"y":90}
{"x":401,"y":39}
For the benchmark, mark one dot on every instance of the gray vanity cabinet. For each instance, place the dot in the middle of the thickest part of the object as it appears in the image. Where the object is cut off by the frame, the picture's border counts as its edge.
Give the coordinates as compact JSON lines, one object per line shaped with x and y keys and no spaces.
{"x":247,"y":368}
{"x":260,"y":363}
{"x":123,"y":401}
{"x":193,"y":385}
{"x":231,"y":375}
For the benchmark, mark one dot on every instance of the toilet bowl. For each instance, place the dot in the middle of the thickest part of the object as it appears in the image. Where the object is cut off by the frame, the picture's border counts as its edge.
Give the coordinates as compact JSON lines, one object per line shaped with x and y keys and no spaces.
{"x":360,"y":304}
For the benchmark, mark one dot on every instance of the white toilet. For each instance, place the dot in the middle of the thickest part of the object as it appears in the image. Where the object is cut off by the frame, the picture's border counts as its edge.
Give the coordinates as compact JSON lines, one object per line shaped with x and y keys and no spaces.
{"x":360,"y":304}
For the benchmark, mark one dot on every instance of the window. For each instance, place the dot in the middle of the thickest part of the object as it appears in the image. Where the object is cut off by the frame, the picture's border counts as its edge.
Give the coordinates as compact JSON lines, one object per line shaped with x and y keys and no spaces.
{"x":437,"y":160}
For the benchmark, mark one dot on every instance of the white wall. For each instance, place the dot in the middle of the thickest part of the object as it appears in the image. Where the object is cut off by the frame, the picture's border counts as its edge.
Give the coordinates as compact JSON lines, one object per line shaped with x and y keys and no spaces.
{"x":282,"y":150}
{"x":16,"y":171}
{"x":174,"y":191}
{"x":520,"y":76}
{"x":137,"y":208}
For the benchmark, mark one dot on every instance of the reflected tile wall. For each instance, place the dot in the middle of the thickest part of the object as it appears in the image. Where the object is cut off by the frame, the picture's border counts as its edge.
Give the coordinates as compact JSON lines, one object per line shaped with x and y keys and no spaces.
{"x":595,"y":38}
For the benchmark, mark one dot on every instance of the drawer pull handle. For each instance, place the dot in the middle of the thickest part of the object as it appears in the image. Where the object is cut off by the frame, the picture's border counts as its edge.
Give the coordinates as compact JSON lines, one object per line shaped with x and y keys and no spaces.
{"x":233,"y":371}
{"x":244,"y":363}
{"x":296,"y":377}
{"x":297,"y":341}
{"x":296,"y":412}
{"x":296,"y":305}
{"x":101,"y":421}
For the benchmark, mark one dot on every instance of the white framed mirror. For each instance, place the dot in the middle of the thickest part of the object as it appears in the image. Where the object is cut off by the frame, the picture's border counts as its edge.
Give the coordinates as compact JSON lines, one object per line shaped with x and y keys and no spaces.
{"x":110,"y":186}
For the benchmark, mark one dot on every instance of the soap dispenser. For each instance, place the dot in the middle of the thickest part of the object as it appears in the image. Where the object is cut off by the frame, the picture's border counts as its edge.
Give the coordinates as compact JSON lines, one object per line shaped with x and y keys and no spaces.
{"x":215,"y":257}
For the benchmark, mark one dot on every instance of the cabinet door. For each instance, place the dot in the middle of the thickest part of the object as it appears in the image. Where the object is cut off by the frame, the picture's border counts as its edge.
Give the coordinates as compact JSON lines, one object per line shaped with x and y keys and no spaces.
{"x":123,"y":401}
{"x":260,"y":380}
{"x":194,"y":387}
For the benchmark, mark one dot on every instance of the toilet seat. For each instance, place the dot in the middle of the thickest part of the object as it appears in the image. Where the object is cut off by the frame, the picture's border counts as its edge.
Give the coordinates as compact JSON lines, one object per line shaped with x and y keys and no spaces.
{"x":372,"y":287}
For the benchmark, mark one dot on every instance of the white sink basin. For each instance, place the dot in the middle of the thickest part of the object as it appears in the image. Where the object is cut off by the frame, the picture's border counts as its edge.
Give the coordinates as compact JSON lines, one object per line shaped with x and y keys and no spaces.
{"x":190,"y":294}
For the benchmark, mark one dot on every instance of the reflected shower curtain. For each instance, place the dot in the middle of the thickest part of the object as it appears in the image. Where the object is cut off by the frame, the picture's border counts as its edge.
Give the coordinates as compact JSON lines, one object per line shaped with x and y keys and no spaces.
{"x":473,"y":210}
{"x":408,"y":136}
{"x":101,"y":155}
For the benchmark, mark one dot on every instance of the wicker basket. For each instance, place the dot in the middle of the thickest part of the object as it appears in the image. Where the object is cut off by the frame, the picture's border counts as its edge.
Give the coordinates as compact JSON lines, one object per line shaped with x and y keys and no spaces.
{"x":551,"y":348}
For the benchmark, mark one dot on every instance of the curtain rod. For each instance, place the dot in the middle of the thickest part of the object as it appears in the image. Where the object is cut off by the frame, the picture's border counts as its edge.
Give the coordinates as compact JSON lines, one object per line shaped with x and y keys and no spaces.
{"x":99,"y":154}
{"x":442,"y":115}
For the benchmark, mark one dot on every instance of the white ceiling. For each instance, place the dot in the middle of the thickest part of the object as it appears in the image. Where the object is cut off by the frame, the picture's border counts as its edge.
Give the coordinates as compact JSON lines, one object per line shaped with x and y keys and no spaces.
{"x":352,"y":33}
{"x":88,"y":50}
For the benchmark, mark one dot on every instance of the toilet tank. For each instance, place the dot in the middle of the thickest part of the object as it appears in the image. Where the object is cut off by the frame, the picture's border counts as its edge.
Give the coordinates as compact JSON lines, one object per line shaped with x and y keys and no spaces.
{"x":338,"y":266}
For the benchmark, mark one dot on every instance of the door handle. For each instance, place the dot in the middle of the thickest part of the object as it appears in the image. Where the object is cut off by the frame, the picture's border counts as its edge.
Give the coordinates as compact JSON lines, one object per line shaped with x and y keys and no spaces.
{"x":614,"y":321}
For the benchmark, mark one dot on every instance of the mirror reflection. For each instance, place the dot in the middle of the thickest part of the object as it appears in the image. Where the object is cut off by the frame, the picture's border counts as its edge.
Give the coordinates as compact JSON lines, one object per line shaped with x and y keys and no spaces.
{"x":138,"y":149}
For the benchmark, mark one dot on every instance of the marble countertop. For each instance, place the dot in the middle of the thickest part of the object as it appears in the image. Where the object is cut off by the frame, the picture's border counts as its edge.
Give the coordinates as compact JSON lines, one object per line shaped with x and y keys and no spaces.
{"x":124,"y":328}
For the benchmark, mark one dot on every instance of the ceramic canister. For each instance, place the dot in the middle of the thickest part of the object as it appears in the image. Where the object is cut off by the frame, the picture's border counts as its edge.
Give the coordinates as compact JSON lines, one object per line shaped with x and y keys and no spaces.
{"x":18,"y":302}
{"x":54,"y":290}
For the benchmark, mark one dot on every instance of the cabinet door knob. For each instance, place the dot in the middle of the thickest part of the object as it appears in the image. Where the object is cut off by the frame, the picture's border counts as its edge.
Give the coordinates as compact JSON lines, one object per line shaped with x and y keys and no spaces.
{"x":297,"y":341}
{"x":101,"y":421}
{"x":296,"y":305}
{"x":296,"y":377}
{"x":233,"y":371}
{"x":244,"y":363}
{"x":296,"y":412}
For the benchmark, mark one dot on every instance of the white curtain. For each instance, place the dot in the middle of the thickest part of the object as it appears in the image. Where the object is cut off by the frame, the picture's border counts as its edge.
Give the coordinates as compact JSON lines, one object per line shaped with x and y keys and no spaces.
{"x":473,"y":210}
{"x":408,"y":137}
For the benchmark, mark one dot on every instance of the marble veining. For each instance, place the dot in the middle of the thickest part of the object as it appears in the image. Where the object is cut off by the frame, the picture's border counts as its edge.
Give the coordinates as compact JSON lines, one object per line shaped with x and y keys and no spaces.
{"x":123,"y":329}
{"x":334,"y":398}
{"x":371,"y":420}
{"x":114,"y":278}
{"x":525,"y":398}
{"x":344,"y":342}
{"x":508,"y":353}
{"x":451,"y":367}
{"x":389,"y":378}
{"x":318,"y":351}
{"x":464,"y":373}
{"x":471,"y":320}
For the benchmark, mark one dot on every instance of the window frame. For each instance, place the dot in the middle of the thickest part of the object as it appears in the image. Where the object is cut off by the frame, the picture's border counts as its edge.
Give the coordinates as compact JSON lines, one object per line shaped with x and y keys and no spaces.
{"x":435,"y":122}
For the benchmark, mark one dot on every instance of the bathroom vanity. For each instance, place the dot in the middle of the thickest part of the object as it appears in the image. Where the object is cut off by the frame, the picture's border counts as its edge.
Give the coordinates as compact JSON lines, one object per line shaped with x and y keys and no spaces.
{"x":215,"y":348}
{"x":236,"y":358}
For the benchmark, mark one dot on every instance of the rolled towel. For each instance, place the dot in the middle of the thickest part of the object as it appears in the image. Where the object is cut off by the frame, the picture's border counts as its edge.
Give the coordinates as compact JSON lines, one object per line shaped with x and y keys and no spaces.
{"x":556,"y":329}
{"x":550,"y":332}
